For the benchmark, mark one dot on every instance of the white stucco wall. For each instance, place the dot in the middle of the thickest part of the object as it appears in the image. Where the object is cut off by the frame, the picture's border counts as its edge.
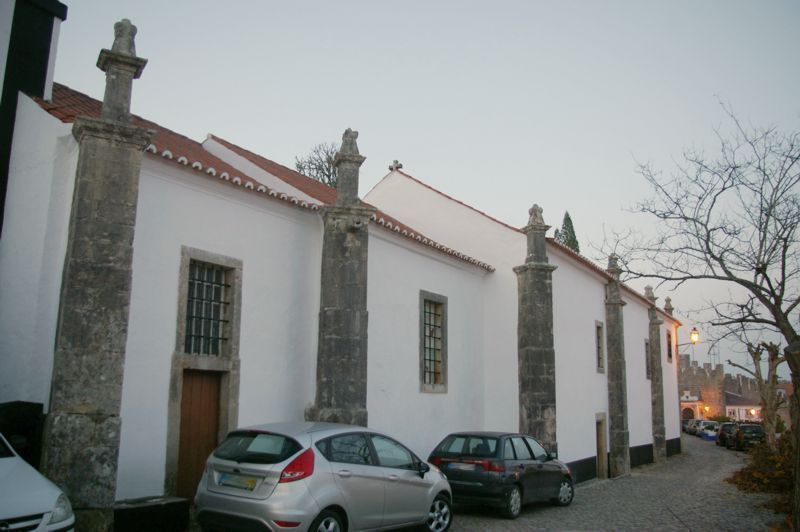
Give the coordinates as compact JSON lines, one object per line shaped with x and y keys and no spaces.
{"x":6,"y":19}
{"x":578,"y":301}
{"x":669,"y":371}
{"x":457,"y":226}
{"x":581,"y":390}
{"x":280,"y":248}
{"x":32,"y":247}
{"x":398,"y":270}
{"x":637,"y":330}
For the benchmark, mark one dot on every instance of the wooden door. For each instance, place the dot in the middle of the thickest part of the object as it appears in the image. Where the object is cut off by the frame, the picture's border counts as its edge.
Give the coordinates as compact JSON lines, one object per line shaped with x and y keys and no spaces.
{"x":602,"y":450}
{"x":199,"y":427}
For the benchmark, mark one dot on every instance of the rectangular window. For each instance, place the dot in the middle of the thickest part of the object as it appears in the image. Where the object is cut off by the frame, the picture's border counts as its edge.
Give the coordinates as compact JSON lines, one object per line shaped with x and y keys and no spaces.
{"x":433,"y":342}
{"x":207,"y":312}
{"x":648,"y":368}
{"x":669,"y":346}
{"x":599,"y":345}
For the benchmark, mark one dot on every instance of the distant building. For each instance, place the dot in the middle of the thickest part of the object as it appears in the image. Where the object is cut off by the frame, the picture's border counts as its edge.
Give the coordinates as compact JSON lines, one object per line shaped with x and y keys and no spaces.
{"x":708,"y":392}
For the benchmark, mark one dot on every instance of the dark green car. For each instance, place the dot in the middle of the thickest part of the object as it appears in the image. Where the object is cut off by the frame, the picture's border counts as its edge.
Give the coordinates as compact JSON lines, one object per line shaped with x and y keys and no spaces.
{"x":503,"y":470}
{"x":746,"y":436}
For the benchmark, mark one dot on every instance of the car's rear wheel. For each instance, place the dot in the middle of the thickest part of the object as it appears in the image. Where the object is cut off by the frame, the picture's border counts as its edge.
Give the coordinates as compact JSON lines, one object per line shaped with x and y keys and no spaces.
{"x":513,"y":506}
{"x":327,"y":521}
{"x":566,"y":492}
{"x":440,"y":516}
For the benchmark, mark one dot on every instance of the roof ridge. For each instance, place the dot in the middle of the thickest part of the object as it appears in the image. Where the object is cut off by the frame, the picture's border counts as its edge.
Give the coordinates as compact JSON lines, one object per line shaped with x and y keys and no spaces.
{"x":225,"y":141}
{"x":467,"y":205}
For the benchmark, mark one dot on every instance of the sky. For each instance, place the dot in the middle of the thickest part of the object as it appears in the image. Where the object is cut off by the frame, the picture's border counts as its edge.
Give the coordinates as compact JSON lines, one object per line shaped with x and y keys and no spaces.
{"x":499,"y":104}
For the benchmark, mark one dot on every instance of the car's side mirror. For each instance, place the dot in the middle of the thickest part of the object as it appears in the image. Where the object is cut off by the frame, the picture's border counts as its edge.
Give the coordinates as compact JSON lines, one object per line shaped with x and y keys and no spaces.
{"x":423,"y":468}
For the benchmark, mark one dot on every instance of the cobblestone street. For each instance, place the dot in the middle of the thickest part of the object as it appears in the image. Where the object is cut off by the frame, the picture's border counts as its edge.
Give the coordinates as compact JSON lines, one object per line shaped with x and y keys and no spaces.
{"x":688,"y":493}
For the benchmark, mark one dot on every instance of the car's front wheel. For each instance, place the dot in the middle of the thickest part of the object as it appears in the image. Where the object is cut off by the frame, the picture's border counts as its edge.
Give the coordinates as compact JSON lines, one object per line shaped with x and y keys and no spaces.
{"x":513,"y":506}
{"x":566,"y":492}
{"x":327,"y":521}
{"x":440,"y":516}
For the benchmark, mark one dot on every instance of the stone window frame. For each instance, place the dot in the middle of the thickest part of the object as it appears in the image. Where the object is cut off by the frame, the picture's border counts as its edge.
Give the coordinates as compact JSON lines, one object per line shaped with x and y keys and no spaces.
{"x":669,"y":346}
{"x":226,"y":364}
{"x":648,"y":361}
{"x":441,"y":299}
{"x":600,"y":346}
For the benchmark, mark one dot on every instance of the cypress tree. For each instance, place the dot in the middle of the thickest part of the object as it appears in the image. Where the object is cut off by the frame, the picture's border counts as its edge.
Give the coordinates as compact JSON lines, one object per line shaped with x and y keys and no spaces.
{"x":566,"y":235}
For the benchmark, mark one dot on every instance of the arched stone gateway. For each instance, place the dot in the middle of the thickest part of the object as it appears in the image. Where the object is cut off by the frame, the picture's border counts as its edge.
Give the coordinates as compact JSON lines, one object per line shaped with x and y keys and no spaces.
{"x":687,"y":413}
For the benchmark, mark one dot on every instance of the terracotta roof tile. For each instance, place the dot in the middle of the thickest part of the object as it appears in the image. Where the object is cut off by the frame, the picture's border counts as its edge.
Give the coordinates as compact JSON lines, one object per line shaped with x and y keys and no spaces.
{"x":66,"y":104}
{"x":327,"y":195}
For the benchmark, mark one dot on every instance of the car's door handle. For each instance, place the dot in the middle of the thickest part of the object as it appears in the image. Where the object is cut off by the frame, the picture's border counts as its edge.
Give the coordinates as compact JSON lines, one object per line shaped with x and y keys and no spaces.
{"x":393,"y":477}
{"x":344,"y":473}
{"x":539,"y":466}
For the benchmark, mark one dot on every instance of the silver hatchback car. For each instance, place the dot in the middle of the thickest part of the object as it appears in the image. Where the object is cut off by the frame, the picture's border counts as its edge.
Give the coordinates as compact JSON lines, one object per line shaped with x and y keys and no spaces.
{"x":319,"y":477}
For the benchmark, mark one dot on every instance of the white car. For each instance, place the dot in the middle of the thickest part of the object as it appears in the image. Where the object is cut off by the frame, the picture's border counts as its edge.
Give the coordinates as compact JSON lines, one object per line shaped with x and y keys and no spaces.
{"x":319,"y":477}
{"x":28,"y":501}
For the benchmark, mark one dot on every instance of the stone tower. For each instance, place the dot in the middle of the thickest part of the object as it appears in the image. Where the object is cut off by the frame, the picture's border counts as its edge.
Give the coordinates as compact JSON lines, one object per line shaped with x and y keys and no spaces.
{"x":619,"y":448}
{"x":82,"y":432}
{"x":342,"y":349}
{"x":537,"y":358}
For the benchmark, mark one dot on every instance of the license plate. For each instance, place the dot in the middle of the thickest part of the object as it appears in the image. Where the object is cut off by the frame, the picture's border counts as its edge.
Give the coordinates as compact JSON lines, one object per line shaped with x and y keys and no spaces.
{"x":462,"y":467}
{"x":237,"y":481}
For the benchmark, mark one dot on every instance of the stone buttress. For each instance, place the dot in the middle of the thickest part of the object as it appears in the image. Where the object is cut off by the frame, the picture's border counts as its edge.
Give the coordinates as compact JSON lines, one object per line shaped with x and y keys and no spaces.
{"x":656,"y":380}
{"x":82,"y":432}
{"x":342,"y":349}
{"x":536,"y":355}
{"x":619,"y":438}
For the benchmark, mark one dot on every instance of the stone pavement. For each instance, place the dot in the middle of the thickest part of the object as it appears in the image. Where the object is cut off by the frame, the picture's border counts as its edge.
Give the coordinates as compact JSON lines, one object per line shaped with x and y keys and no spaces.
{"x":687,"y":493}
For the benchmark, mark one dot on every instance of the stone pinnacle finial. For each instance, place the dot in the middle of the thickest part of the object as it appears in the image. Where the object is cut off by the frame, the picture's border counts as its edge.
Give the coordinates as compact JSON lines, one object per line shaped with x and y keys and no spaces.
{"x":613,"y":266}
{"x":121,"y":67}
{"x":668,"y":308}
{"x":347,"y":162}
{"x":124,"y":33}
{"x":349,"y":145}
{"x":396,"y":165}
{"x":535,"y":217}
{"x":649,"y":294}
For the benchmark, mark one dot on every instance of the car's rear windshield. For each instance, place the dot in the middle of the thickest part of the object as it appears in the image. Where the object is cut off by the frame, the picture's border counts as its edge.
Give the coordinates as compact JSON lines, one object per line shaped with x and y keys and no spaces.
{"x":468,"y":445}
{"x":755,"y":429}
{"x":256,"y":447}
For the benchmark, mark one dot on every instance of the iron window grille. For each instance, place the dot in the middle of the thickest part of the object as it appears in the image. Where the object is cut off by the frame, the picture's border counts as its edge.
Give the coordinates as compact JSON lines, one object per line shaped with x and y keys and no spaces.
{"x":433,"y":322}
{"x":207,"y":309}
{"x":599,"y":342}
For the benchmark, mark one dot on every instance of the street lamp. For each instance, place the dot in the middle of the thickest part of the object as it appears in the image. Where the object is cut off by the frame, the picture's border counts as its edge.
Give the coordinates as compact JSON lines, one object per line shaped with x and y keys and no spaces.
{"x":694,"y":337}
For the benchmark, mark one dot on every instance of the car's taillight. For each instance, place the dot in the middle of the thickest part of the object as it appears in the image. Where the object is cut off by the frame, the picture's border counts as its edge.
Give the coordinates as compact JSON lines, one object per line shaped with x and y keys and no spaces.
{"x":435,"y":460}
{"x":300,"y":467}
{"x":288,"y":524}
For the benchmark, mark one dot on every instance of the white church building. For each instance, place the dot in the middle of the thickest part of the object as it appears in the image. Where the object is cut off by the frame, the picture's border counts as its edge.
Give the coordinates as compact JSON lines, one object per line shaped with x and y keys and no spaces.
{"x":158,"y":291}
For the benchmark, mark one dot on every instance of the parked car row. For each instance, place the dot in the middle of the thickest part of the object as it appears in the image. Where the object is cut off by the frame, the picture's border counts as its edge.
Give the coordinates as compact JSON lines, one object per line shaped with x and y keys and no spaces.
{"x":731,"y":435}
{"x":333,"y":477}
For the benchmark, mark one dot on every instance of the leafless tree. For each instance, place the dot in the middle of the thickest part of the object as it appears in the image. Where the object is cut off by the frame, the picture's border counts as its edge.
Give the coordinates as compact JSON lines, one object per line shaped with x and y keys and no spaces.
{"x":767,"y":386}
{"x":732,"y":218}
{"x":318,"y":164}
